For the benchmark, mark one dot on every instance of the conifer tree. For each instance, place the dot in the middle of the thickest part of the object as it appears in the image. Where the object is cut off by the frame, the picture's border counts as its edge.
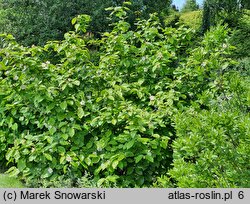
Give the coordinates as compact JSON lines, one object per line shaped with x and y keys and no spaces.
{"x":190,"y":5}
{"x":217,"y":11}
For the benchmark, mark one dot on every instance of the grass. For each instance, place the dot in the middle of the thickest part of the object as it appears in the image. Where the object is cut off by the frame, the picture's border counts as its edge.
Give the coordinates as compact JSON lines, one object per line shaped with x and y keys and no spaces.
{"x":9,"y":182}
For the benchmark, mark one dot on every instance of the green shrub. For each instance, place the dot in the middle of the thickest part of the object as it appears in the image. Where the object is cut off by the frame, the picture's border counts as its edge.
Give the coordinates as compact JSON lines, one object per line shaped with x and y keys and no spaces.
{"x":192,"y":19}
{"x":189,"y":19}
{"x":70,"y":116}
{"x":212,"y":145}
{"x":244,"y":66}
{"x":172,"y":20}
{"x":64,"y":113}
{"x":211,"y":149}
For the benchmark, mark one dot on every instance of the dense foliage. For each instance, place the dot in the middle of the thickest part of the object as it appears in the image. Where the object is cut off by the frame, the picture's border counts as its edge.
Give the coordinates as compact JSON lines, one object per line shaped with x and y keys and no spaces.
{"x":213,"y":145}
{"x":225,"y":11}
{"x":245,"y":4}
{"x":36,"y":22}
{"x":152,"y":109}
{"x":241,"y":36}
{"x":192,"y":19}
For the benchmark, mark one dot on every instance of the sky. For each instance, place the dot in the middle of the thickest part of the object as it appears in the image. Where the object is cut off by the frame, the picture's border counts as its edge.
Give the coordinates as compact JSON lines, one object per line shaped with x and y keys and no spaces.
{"x":180,"y":3}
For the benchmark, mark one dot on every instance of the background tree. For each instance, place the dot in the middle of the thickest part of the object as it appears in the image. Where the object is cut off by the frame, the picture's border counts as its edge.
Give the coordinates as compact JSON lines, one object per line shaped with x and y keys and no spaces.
{"x":35,"y":21}
{"x":190,"y":5}
{"x":245,"y":4}
{"x":174,"y":7}
{"x":206,"y":17}
{"x":225,"y":11}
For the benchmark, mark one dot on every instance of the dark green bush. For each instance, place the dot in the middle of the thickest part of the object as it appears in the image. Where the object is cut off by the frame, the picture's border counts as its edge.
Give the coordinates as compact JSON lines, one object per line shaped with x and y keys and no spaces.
{"x":244,"y":66}
{"x":36,"y":22}
{"x":241,"y":37}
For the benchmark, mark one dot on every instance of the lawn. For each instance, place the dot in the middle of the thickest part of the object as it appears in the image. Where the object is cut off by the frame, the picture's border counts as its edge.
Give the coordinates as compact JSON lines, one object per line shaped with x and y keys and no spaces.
{"x":9,"y":182}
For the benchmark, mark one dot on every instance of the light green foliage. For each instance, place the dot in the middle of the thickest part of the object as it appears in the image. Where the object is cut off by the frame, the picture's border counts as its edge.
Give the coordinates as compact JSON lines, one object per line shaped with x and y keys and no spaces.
{"x":172,"y":19}
{"x":63,"y":117}
{"x":112,"y":120}
{"x":9,"y":182}
{"x":192,"y":19}
{"x":244,"y":66}
{"x":206,"y":64}
{"x":213,"y":134}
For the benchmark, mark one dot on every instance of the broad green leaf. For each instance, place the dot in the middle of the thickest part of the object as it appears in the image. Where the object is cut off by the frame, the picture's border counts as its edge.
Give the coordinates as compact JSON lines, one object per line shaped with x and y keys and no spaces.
{"x":88,"y":161}
{"x":71,"y":132}
{"x":113,"y":121}
{"x":13,"y":172}
{"x":76,"y":82}
{"x":61,"y":150}
{"x":111,"y":98}
{"x":140,"y":81}
{"x":14,"y":126}
{"x":52,"y":130}
{"x":108,"y":133}
{"x":21,"y":164}
{"x":105,"y":165}
{"x":129,"y":144}
{"x":10,"y":154}
{"x":138,"y":158}
{"x":100,"y":182}
{"x":75,"y":164}
{"x":112,"y":178}
{"x":141,"y":181}
{"x":63,"y":105}
{"x":99,"y":99}
{"x":121,"y":164}
{"x":149,"y":158}
{"x":73,"y":21}
{"x":49,"y":139}
{"x":48,"y":156}
{"x":115,"y":164}
{"x":77,"y":127}
{"x":32,"y":158}
{"x":80,"y":112}
{"x":144,"y":140}
{"x":65,"y":136}
{"x":47,"y":173}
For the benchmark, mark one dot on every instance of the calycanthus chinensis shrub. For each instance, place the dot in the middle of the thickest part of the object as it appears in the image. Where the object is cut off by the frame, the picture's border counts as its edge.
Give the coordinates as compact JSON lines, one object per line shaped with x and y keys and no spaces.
{"x":63,"y":115}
